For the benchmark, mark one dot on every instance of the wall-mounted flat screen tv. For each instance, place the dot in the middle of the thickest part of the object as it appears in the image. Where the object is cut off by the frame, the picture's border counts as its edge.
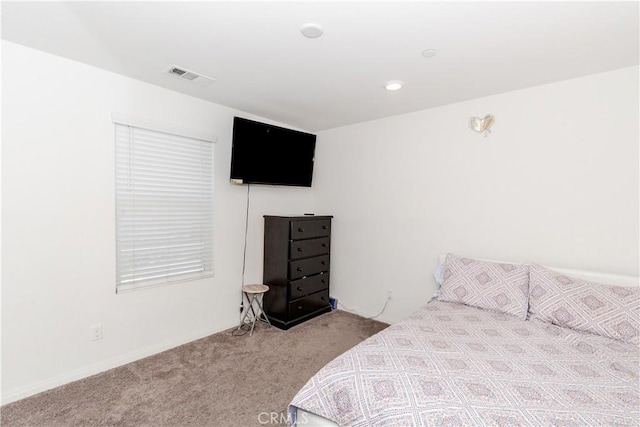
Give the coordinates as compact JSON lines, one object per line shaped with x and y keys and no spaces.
{"x":267,"y":154}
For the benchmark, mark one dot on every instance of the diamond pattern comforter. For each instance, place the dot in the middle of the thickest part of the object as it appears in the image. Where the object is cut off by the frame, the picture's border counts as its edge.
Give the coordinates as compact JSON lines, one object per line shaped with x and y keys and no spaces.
{"x":451,"y":364}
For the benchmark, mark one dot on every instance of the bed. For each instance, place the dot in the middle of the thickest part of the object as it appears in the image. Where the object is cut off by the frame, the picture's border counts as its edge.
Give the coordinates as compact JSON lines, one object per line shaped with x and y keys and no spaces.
{"x":503,"y":344}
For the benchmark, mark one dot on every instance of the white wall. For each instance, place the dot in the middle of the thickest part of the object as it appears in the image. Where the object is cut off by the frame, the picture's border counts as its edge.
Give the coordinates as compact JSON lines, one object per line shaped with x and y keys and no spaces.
{"x":555,"y":183}
{"x":58,"y":222}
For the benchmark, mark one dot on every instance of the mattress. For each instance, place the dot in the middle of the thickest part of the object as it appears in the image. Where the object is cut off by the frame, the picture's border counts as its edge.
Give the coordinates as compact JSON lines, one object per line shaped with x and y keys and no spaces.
{"x":452,"y":364}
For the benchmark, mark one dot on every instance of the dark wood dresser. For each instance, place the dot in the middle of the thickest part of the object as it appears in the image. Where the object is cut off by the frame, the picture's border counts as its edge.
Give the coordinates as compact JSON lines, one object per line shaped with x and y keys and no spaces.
{"x":296,"y":268}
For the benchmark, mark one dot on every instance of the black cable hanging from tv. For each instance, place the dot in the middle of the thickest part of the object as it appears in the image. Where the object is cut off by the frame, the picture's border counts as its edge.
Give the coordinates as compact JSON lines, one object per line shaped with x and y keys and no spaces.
{"x":244,"y":263}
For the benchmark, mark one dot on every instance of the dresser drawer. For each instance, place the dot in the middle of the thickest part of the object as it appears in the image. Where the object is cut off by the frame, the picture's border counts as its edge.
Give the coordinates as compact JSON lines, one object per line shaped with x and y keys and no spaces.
{"x":309,"y":266}
{"x":308,"y":248}
{"x":308,"y":305}
{"x":310,"y":229}
{"x":308,"y":285}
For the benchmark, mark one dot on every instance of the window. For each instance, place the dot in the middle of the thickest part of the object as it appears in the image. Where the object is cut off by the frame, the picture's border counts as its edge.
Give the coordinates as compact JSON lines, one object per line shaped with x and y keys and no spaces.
{"x":164,"y":198}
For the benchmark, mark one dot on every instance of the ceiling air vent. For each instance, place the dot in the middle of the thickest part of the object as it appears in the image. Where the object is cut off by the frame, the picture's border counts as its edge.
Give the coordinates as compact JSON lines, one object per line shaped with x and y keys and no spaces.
{"x":184,"y":74}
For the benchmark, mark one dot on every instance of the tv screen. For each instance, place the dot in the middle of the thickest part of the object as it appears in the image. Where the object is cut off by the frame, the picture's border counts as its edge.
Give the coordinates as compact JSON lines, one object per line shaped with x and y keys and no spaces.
{"x":267,"y":154}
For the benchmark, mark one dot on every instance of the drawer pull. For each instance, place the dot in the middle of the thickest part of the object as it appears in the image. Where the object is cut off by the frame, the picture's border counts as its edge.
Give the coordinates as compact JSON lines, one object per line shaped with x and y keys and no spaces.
{"x":324,"y":245}
{"x":323,"y":262}
{"x":324,"y":227}
{"x":323,"y":298}
{"x":299,"y":288}
{"x":300,"y":249}
{"x":300,"y":229}
{"x":323,"y":281}
{"x":299,"y":307}
{"x":299,"y":268}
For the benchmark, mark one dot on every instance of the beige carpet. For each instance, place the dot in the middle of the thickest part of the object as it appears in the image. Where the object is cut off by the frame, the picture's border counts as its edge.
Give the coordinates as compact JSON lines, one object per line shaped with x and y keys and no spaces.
{"x":220,"y":380}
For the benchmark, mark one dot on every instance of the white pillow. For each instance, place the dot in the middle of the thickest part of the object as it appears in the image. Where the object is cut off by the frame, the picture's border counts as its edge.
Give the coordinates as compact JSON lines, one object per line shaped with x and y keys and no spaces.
{"x":606,"y":310}
{"x":494,"y":286}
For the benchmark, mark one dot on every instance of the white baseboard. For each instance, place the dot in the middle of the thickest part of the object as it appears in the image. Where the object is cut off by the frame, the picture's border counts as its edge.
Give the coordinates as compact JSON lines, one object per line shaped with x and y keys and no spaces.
{"x":81,"y":373}
{"x":382,"y":318}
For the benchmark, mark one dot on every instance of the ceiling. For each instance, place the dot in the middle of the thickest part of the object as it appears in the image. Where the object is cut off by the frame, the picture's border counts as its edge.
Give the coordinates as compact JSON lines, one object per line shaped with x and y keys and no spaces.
{"x":263,"y":65}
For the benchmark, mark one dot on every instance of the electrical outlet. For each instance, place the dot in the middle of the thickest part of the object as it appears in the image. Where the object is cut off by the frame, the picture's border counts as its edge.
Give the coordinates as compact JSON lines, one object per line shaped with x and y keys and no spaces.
{"x":96,"y":332}
{"x":389,"y":294}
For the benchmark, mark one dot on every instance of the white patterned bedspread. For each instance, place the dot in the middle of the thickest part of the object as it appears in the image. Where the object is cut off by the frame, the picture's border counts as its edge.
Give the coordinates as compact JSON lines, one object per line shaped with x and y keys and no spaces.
{"x":455,"y":365}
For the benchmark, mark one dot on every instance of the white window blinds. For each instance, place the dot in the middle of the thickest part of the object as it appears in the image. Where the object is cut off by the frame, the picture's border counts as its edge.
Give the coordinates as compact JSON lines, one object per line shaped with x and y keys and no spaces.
{"x":164,"y":197}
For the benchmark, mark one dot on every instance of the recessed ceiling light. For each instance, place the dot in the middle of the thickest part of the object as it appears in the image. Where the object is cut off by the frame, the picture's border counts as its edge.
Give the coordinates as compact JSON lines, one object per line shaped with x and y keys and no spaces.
{"x":311,"y":30}
{"x":393,"y":85}
{"x":429,"y":53}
